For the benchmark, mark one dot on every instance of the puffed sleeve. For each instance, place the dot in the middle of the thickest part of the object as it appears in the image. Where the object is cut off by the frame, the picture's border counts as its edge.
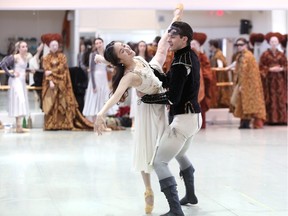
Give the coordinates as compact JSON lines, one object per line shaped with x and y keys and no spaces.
{"x":8,"y":61}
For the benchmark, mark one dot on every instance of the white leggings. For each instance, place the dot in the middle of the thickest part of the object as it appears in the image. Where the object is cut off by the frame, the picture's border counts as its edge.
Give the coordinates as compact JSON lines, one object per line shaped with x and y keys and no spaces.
{"x":175,"y":142}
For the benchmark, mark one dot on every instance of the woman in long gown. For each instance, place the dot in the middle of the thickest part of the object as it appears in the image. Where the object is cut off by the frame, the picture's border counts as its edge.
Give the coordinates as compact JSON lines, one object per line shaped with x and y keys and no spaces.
{"x":273,"y":69}
{"x":150,"y":119}
{"x":59,"y":103}
{"x":207,"y":82}
{"x":18,"y":104}
{"x":97,"y":92}
{"x":141,"y":50}
{"x":250,"y":103}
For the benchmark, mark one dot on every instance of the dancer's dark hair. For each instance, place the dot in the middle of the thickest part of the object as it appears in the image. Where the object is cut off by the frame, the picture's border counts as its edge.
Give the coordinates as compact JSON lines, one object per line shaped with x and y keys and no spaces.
{"x":110,"y":56}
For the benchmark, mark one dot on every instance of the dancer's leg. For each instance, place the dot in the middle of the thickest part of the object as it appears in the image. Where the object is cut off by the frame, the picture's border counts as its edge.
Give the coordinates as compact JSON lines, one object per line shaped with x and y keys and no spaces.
{"x":187,"y":173}
{"x":19,"y":128}
{"x":149,"y":196}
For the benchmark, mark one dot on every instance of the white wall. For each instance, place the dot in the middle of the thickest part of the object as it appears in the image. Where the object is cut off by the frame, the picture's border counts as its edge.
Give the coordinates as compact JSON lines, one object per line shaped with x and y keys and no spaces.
{"x":28,"y":24}
{"x":131,"y":23}
{"x":120,"y":19}
{"x":135,"y":25}
{"x":117,"y":19}
{"x":279,"y":19}
{"x":262,"y":21}
{"x":227,"y":25}
{"x":126,"y":25}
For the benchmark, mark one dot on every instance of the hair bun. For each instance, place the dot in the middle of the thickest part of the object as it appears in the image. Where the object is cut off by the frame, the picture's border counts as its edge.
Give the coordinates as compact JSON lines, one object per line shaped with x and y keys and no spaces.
{"x":47,"y":38}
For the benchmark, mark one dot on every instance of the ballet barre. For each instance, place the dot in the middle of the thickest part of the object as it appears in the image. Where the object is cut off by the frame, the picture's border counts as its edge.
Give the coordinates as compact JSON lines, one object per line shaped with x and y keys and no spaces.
{"x":6,"y":87}
{"x":223,"y":70}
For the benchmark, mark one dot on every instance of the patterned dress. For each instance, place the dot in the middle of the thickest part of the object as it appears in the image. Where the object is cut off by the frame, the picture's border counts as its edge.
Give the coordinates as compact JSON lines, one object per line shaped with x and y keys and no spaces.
{"x":207,"y":83}
{"x":275,"y":86}
{"x":223,"y":93}
{"x":94,"y":101}
{"x":250,"y":103}
{"x":59,"y":104}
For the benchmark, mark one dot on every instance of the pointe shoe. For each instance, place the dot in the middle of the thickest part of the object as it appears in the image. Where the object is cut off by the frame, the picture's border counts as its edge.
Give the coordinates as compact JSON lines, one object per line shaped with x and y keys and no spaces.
{"x":149,"y":196}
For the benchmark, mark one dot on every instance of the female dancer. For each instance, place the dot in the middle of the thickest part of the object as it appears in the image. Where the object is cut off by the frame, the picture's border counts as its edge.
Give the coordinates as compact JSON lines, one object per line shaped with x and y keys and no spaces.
{"x":134,"y":71}
{"x":97,"y":92}
{"x":141,"y":50}
{"x":18,"y":95}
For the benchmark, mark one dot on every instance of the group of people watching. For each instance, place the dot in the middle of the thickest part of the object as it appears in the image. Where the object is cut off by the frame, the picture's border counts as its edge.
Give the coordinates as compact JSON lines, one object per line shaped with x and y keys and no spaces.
{"x":260,"y":91}
{"x":263,"y":84}
{"x":267,"y":102}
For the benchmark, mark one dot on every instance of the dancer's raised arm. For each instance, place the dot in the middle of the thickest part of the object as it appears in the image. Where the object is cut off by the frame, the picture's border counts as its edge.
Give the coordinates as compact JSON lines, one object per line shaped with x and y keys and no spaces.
{"x":121,"y":56}
{"x":163,"y":45}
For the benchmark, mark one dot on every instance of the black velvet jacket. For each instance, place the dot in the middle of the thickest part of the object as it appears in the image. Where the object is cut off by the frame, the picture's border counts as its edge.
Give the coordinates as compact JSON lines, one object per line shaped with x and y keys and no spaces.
{"x":182,"y":82}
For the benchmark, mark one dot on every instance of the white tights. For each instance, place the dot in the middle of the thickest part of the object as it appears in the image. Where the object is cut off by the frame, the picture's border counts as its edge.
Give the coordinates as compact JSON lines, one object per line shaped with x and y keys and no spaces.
{"x":175,"y":142}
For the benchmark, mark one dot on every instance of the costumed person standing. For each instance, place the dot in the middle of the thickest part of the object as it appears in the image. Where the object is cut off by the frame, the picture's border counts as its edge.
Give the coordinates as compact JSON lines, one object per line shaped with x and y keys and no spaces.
{"x":283,"y":43}
{"x":150,"y":119}
{"x":183,"y":81}
{"x":222,"y":94}
{"x":255,"y":40}
{"x":83,"y":55}
{"x":18,"y":105}
{"x":249,"y":101}
{"x":273,"y":69}
{"x":207,"y":81}
{"x":59,"y":103}
{"x":97,"y":92}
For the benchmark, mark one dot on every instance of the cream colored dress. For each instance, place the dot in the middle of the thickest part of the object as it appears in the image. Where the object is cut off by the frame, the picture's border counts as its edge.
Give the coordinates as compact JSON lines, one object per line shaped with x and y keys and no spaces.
{"x":94,"y":101}
{"x":18,"y":95}
{"x":150,"y":119}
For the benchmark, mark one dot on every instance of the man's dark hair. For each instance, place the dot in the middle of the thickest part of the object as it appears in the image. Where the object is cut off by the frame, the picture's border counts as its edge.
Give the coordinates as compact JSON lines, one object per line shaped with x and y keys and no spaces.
{"x":182,"y":29}
{"x":214,"y":43}
{"x":157,"y":39}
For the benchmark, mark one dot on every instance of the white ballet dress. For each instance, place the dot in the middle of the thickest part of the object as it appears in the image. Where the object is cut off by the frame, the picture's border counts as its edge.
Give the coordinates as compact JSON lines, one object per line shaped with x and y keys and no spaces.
{"x":95,"y":101}
{"x":18,"y":104}
{"x":133,"y":104}
{"x":150,"y":119}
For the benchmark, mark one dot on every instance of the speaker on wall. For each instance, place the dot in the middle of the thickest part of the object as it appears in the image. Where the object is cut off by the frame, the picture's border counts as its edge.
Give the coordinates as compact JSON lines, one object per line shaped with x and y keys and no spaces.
{"x":245,"y":26}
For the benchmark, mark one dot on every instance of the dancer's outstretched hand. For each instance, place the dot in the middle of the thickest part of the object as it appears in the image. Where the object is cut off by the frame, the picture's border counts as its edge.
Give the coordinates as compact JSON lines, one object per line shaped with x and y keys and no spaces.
{"x":100,"y":124}
{"x":99,"y":59}
{"x":178,"y":12}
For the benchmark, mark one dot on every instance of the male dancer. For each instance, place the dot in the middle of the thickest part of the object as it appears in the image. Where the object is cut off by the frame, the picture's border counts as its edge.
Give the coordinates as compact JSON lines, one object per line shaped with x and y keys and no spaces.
{"x":183,"y":82}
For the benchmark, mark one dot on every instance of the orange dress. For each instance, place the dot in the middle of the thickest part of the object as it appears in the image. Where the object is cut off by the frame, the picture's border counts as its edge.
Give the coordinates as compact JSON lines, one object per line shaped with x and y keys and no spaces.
{"x":250,"y":103}
{"x":59,"y":104}
{"x":207,"y":82}
{"x":275,"y":86}
{"x":223,"y":93}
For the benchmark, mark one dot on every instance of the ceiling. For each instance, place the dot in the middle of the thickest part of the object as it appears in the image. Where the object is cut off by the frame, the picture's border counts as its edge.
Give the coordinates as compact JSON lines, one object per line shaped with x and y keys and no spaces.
{"x":143,"y":4}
